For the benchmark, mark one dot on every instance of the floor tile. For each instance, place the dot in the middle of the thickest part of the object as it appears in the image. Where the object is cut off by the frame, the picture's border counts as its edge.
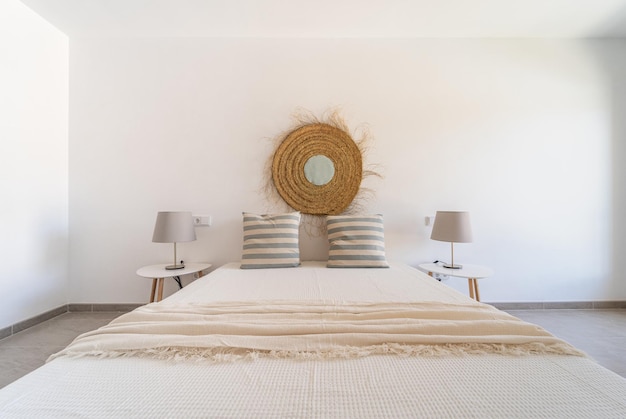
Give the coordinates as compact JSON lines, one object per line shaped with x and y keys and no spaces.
{"x":29,"y":349}
{"x":601,"y":334}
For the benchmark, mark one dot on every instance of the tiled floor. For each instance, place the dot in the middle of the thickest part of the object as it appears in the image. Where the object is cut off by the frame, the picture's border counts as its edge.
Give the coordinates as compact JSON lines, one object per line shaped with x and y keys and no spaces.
{"x":600,"y":333}
{"x":29,"y":349}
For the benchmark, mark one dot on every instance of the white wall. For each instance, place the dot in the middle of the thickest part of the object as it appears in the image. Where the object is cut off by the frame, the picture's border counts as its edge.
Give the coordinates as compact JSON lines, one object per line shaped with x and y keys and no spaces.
{"x":33,"y":164}
{"x":521,"y":133}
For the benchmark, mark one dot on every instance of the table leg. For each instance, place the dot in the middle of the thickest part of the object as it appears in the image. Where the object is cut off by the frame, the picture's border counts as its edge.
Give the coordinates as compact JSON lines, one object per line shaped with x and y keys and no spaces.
{"x":476,"y":289}
{"x":160,"y":296}
{"x":473,"y":288}
{"x":154,"y":283}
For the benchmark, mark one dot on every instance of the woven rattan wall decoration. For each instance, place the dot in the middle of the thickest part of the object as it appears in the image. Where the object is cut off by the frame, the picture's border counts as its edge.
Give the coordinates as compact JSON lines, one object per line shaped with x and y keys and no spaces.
{"x":317,"y":167}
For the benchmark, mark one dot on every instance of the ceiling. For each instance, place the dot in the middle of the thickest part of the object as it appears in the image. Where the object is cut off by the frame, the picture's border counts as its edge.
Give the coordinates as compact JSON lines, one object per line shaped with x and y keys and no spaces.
{"x":337,"y":18}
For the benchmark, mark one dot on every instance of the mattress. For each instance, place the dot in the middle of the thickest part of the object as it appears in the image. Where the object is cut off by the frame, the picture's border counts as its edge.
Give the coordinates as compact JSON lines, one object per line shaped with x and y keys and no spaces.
{"x":376,"y":385}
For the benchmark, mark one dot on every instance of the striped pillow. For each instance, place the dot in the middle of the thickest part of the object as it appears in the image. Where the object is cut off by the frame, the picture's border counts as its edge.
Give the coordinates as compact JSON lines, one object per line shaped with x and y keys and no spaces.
{"x":356,"y":241}
{"x":270,"y":241}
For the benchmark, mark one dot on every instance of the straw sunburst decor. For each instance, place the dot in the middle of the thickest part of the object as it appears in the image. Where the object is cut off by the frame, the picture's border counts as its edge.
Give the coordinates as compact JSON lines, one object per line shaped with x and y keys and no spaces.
{"x":317,"y":167}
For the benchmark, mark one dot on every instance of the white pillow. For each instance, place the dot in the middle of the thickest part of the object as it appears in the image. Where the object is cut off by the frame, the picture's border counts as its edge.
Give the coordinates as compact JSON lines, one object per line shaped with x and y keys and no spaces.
{"x":270,"y":240}
{"x":356,"y":241}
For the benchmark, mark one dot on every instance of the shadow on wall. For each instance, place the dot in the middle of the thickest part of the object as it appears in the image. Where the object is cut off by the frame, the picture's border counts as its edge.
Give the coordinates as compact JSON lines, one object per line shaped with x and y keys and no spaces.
{"x":313,"y":241}
{"x":614,"y":24}
{"x":614,"y":66}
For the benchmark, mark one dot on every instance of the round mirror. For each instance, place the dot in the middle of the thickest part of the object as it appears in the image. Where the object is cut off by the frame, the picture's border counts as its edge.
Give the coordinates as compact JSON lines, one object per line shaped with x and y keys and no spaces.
{"x":319,"y":170}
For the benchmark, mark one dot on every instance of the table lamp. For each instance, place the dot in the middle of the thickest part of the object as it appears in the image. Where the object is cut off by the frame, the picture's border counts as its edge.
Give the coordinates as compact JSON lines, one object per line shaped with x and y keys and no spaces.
{"x":453,"y":227}
{"x":174,"y":227}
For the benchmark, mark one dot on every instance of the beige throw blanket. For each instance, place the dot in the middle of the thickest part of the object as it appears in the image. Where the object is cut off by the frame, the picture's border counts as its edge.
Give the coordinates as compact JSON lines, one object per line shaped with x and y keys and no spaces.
{"x":236,"y":330}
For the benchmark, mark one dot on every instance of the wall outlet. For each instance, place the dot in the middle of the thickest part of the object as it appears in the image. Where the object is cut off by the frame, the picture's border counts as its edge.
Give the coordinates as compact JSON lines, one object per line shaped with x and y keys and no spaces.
{"x":201,"y":220}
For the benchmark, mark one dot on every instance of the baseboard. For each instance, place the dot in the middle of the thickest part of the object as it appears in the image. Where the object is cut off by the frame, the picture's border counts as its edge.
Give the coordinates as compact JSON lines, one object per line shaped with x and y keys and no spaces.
{"x":122,"y":308}
{"x":562,"y":305}
{"x":66,"y":308}
{"x":33,"y":321}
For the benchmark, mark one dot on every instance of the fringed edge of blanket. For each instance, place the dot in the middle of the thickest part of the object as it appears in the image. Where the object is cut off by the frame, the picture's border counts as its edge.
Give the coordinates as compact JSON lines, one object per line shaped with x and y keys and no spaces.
{"x":222,"y":354}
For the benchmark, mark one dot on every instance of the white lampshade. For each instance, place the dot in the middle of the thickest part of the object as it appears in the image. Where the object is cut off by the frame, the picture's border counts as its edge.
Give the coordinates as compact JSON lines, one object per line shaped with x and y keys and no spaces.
{"x":173,"y":227}
{"x":452,"y":226}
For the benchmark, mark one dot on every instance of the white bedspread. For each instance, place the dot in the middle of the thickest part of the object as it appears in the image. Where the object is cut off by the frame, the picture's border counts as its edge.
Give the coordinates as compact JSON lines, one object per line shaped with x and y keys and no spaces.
{"x":314,"y":282}
{"x":487,"y":386}
{"x":375,"y":386}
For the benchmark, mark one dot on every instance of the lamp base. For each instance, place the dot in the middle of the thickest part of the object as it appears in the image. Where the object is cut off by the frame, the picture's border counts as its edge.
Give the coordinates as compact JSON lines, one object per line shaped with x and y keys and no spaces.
{"x":174,"y":267}
{"x":449,"y":266}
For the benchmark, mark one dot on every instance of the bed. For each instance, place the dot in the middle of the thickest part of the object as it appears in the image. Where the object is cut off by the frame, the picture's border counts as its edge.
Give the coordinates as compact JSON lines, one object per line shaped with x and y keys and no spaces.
{"x":316,"y":342}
